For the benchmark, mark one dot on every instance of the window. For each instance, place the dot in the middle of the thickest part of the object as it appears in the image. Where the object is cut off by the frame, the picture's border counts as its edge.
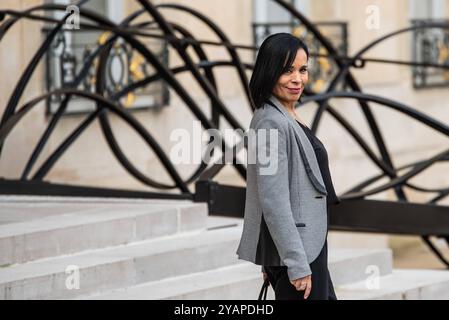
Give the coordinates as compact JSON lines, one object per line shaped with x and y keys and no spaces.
{"x":125,"y":66}
{"x":429,"y":9}
{"x":429,"y":45}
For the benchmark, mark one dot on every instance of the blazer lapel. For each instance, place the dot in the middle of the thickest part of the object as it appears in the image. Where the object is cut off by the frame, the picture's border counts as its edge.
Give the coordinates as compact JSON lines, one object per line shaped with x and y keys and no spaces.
{"x":305,"y":147}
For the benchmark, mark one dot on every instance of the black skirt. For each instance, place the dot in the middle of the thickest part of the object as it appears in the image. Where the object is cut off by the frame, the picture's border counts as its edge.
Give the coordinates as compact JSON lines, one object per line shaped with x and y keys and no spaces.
{"x":322,"y":287}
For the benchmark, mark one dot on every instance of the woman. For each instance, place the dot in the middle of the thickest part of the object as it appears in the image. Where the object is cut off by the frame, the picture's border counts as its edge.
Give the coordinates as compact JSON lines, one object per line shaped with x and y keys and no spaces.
{"x":286,"y":209}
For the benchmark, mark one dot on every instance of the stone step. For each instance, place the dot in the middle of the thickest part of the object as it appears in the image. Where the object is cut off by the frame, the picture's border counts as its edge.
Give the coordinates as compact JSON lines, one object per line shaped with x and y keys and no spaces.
{"x":121,"y":266}
{"x":236,"y":282}
{"x":352,"y":265}
{"x":239,"y":282}
{"x":402,"y":284}
{"x":243,"y":280}
{"x":49,"y":228}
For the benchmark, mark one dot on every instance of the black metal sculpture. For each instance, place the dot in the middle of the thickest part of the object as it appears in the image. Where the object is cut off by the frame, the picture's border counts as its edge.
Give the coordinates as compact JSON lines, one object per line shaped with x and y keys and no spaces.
{"x":355,"y":213}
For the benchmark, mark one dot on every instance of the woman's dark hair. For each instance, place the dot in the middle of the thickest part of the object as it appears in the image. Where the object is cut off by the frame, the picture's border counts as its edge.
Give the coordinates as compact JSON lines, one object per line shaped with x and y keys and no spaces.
{"x":276,"y":53}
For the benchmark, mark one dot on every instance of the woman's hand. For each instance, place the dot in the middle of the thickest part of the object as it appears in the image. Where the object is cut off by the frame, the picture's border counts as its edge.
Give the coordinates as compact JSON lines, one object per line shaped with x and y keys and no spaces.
{"x":303,"y":284}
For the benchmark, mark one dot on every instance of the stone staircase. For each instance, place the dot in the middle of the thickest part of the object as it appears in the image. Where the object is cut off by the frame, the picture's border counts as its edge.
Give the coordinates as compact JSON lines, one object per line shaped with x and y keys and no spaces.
{"x":65,"y":248}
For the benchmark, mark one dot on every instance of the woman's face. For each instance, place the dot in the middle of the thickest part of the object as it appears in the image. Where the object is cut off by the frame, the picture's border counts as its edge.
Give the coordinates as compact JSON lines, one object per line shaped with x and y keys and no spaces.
{"x":290,"y":84}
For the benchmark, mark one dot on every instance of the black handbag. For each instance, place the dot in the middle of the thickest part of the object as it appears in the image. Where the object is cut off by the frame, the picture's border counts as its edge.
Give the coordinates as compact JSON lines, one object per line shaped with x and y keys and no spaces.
{"x":264,"y":290}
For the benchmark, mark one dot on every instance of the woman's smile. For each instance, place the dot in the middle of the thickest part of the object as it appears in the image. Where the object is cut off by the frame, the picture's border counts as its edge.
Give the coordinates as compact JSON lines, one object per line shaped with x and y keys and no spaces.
{"x":296,"y":91}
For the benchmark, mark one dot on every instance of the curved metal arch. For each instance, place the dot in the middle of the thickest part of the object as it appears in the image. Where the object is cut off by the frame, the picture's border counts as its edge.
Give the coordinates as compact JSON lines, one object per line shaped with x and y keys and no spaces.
{"x":176,"y":70}
{"x":24,"y":79}
{"x":240,"y":169}
{"x":60,"y":111}
{"x":205,"y":85}
{"x":41,"y":172}
{"x":388,"y":170}
{"x":422,"y":118}
{"x":122,"y":157}
{"x":352,"y":60}
{"x":112,"y":141}
{"x":433,"y":123}
{"x":56,"y":7}
{"x":358,"y":138}
{"x":367,"y":149}
{"x":109,"y":133}
{"x":356,"y":57}
{"x":400,"y":180}
{"x":106,"y":127}
{"x":208,"y":72}
{"x":86,"y":13}
{"x":224,"y":40}
{"x":103,"y":103}
{"x":78,"y":131}
{"x":352,"y":83}
{"x":442,"y":195}
{"x":143,"y":82}
{"x":377,"y":177}
{"x":108,"y":130}
{"x":435,"y":250}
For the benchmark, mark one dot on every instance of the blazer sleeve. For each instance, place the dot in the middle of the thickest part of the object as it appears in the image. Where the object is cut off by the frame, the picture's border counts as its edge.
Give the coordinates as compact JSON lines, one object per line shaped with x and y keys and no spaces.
{"x":271,"y":163}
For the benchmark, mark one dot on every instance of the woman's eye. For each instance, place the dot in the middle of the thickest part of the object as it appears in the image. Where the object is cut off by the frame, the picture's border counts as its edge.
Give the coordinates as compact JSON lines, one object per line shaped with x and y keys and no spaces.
{"x":303,"y":70}
{"x":288,"y":71}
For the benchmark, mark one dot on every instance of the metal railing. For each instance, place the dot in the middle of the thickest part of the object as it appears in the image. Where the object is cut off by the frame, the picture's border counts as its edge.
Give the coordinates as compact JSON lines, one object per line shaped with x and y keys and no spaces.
{"x":354,"y":213}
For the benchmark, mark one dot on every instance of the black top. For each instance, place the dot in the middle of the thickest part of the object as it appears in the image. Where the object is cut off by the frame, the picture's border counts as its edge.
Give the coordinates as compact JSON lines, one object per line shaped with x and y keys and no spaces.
{"x":323,"y":162}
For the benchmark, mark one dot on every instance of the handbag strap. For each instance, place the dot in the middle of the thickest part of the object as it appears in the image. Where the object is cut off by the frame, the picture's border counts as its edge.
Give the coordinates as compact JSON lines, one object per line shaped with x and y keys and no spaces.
{"x":264,"y":290}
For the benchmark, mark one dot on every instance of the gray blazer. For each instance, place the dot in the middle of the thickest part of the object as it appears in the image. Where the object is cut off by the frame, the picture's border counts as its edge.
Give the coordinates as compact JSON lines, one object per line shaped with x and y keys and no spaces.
{"x":285,"y":219}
